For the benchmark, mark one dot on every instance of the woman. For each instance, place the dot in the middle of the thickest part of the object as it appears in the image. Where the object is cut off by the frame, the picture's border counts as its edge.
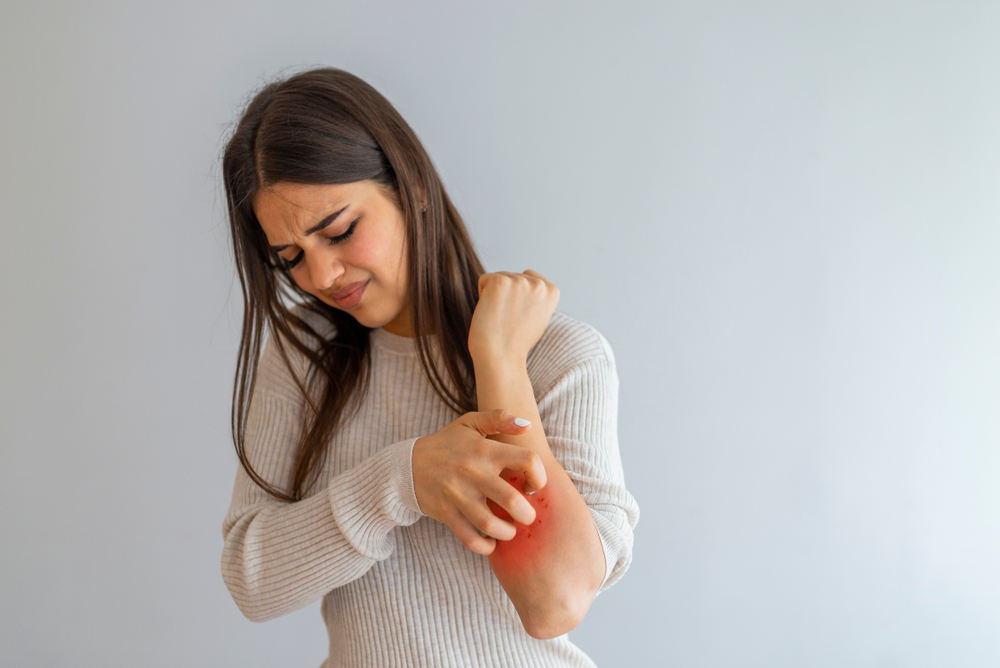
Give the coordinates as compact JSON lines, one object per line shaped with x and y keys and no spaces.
{"x":394,"y":461}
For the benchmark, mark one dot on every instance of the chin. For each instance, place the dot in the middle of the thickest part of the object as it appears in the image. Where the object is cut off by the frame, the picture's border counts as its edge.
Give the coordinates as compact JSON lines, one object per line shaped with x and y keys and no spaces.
{"x":368,"y":320}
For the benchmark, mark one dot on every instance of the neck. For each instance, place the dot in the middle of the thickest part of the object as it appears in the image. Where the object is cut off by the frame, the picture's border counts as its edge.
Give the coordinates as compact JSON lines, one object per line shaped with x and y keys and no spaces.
{"x":401,"y":325}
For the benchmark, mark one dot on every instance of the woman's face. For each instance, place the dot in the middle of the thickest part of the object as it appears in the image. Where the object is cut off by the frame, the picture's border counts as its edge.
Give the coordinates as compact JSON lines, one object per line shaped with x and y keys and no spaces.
{"x":345,"y":244}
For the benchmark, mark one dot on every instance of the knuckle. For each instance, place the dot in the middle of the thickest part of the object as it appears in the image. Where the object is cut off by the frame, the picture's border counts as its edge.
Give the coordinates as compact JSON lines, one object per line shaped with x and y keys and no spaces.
{"x":465,"y":469}
{"x":483,"y":519}
{"x":491,"y":526}
{"x":449,"y":491}
{"x":479,"y":518}
{"x":481,"y":449}
{"x":509,"y":497}
{"x":492,"y":531}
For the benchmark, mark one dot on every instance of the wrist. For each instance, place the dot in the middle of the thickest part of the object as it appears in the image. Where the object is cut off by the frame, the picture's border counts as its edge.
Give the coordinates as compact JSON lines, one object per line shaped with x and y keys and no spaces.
{"x":497,"y":363}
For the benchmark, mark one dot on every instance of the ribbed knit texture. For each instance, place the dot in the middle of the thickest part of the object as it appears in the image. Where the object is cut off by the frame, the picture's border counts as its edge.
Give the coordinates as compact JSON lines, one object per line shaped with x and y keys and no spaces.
{"x":398,"y":588}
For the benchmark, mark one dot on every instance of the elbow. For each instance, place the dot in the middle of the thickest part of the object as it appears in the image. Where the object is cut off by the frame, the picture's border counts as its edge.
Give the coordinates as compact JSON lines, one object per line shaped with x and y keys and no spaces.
{"x":250,"y":606}
{"x":246,"y":573}
{"x":546,"y":629}
{"x":256,"y":618}
{"x":252,"y":615}
{"x":252,"y":612}
{"x":552,"y":619}
{"x":247,"y":595}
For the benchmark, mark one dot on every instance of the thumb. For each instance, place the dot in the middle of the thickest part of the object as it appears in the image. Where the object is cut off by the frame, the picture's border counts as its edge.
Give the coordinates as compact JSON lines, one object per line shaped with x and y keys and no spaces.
{"x":498,"y":421}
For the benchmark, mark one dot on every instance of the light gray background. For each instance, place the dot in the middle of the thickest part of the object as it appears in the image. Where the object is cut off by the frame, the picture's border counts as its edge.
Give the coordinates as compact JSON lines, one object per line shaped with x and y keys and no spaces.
{"x":784,"y":217}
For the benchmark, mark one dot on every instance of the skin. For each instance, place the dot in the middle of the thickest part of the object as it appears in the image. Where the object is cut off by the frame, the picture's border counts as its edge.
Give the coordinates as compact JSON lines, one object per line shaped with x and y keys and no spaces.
{"x":553,"y":567}
{"x":471,"y":475}
{"x":375,"y":251}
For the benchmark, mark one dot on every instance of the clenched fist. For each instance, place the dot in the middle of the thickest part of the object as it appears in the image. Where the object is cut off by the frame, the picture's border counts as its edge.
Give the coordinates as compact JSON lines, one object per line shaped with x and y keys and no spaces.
{"x":512,"y":314}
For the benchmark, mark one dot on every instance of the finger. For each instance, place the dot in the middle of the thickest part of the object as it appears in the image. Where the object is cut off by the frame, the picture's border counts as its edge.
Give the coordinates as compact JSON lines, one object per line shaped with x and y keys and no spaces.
{"x":553,"y":290}
{"x":534,"y":274}
{"x":483,"y":280}
{"x":515,"y":279}
{"x":469,"y":537}
{"x":527,"y":462}
{"x":499,"y":421}
{"x":507,"y":498}
{"x":483,"y":519}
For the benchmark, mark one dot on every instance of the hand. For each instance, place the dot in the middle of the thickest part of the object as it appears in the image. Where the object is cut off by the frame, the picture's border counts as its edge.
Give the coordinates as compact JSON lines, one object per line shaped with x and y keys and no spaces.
{"x":456,"y":469}
{"x":512,"y":314}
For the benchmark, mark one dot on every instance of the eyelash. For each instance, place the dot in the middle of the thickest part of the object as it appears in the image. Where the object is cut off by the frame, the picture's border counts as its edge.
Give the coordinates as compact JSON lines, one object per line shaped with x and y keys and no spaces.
{"x":340,"y":238}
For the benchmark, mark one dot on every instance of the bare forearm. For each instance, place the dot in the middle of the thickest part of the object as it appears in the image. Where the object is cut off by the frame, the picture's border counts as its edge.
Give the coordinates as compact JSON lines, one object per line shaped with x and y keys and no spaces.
{"x":553,"y":568}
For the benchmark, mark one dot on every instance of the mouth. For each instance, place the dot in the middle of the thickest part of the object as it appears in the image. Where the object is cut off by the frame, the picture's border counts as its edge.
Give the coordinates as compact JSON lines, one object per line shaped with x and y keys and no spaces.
{"x":349,"y":296}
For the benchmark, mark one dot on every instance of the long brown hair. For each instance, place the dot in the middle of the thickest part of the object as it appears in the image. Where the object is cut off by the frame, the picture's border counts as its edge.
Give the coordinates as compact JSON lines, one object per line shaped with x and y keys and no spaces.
{"x":326,"y":126}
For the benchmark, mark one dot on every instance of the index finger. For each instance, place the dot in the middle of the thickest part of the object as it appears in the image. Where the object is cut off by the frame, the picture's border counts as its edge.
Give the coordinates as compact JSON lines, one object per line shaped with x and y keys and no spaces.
{"x":524,"y":460}
{"x":506,"y":498}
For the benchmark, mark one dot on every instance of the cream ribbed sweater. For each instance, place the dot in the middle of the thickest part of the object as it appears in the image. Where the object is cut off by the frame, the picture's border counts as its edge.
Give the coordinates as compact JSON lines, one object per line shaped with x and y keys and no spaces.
{"x":398,"y":588}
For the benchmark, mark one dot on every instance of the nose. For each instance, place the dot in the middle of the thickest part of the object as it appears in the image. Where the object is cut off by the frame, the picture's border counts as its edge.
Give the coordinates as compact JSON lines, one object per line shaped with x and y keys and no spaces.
{"x":324,"y":270}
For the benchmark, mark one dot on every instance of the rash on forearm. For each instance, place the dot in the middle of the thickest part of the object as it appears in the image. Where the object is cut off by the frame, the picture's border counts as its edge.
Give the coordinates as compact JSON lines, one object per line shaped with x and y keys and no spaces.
{"x":533,"y":540}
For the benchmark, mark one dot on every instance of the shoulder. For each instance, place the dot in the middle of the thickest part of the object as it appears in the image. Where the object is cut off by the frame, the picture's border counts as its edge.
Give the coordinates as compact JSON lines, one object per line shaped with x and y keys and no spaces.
{"x":284,"y":375}
{"x":567,"y":344}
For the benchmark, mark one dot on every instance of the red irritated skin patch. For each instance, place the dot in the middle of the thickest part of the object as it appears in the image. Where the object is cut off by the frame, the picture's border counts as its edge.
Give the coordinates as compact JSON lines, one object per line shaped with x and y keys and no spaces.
{"x":532,"y":541}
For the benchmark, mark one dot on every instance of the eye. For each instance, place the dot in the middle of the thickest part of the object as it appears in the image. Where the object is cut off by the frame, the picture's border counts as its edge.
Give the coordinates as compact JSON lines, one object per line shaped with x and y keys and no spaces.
{"x":281,"y":263}
{"x":288,"y":264}
{"x":341,"y":237}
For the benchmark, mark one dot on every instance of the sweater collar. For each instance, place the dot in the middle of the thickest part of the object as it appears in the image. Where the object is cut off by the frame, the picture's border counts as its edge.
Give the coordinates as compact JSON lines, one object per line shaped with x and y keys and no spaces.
{"x":380,"y":338}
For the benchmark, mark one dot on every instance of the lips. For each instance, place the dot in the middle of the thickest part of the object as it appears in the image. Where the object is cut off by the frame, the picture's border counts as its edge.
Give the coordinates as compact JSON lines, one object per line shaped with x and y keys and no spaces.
{"x":349,"y":295}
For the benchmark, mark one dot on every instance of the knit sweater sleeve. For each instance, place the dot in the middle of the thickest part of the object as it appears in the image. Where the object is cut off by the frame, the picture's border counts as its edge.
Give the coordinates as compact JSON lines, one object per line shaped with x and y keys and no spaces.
{"x":580,"y":416}
{"x":280,"y":556}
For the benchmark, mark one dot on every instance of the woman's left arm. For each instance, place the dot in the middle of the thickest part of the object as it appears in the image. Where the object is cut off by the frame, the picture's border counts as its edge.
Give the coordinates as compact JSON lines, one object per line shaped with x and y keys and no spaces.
{"x":555,"y":566}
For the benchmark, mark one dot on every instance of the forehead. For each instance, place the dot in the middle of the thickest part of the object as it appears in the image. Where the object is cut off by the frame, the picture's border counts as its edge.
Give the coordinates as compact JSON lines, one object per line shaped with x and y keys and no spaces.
{"x":294,"y":207}
{"x":287,"y":210}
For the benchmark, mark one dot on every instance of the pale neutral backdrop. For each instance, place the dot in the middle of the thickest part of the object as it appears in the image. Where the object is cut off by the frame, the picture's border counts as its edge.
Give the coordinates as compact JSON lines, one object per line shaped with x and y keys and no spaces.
{"x":784,"y":216}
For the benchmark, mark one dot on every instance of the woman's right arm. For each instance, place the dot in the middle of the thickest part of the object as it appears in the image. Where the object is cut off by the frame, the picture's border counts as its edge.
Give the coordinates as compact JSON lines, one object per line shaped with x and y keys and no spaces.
{"x":280,"y":556}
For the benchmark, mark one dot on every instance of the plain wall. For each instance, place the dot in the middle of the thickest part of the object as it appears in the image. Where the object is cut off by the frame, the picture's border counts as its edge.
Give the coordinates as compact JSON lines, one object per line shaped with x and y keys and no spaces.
{"x":783,"y":216}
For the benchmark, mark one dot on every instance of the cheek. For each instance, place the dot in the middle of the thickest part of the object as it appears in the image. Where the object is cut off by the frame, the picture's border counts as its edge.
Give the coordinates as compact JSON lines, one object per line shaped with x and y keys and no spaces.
{"x":364,"y":251}
{"x":382,"y":254}
{"x":369,"y":252}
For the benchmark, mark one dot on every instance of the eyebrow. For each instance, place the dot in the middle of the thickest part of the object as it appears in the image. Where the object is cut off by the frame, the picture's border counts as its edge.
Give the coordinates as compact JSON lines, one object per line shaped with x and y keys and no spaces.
{"x":321,"y":225}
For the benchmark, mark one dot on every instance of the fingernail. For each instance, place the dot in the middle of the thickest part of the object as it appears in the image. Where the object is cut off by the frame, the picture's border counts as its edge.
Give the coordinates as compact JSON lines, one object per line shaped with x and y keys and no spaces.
{"x":521,"y":422}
